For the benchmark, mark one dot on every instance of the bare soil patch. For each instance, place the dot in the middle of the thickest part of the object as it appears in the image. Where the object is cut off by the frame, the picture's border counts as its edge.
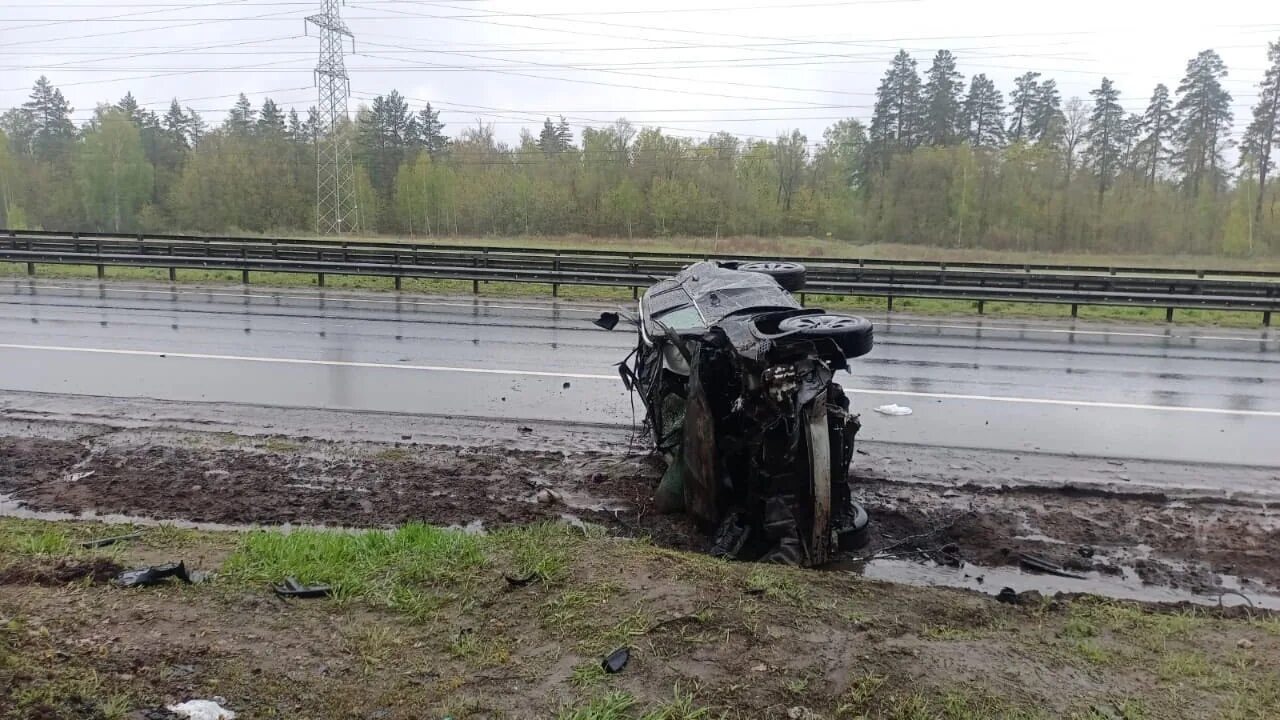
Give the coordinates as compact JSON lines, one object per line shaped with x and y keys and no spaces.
{"x":1201,"y":546}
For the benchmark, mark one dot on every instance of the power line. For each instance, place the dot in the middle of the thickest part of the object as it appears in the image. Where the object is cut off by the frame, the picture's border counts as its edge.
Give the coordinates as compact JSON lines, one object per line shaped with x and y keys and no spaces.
{"x":116,"y":33}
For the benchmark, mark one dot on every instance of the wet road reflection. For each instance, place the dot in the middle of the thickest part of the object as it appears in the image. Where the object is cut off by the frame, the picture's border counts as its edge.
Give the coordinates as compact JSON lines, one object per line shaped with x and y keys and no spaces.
{"x":975,"y":383}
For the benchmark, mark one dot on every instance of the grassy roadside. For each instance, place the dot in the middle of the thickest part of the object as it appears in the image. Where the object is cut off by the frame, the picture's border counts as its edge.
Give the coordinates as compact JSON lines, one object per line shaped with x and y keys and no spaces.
{"x":916,"y":306}
{"x":424,"y":623}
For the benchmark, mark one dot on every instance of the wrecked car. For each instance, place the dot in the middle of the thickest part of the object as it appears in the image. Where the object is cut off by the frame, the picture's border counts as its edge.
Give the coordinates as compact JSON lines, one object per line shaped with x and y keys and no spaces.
{"x":737,"y":382}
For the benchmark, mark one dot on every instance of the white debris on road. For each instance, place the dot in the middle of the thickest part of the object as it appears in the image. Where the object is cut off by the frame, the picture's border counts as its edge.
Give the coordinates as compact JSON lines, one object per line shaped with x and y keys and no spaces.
{"x":897,"y":410}
{"x":201,"y":710}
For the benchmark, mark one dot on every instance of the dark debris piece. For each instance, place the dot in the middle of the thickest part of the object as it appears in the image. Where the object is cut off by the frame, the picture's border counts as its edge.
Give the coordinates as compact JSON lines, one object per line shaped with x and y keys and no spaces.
{"x":154,"y":575}
{"x":1039,"y":564}
{"x":516,"y":582}
{"x":616,"y":660}
{"x":1007,"y":595}
{"x":294,"y":589}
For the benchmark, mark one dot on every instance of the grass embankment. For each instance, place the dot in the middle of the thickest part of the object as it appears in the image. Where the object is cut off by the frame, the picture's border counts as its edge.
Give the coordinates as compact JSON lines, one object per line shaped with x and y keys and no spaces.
{"x":424,"y":624}
{"x":789,"y":247}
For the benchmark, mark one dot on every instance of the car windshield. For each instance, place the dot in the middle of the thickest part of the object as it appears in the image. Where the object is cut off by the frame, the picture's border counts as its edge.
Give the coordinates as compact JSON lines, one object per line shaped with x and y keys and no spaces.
{"x":684,"y":318}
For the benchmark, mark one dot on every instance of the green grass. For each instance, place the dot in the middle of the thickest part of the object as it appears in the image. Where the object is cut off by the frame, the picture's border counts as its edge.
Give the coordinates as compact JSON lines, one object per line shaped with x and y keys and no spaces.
{"x":622,"y":706}
{"x":410,"y":569}
{"x":541,"y":550}
{"x":778,"y":584}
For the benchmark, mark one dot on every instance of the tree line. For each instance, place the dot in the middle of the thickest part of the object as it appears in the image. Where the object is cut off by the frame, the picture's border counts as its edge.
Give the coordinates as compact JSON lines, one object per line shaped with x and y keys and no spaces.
{"x":943,"y":161}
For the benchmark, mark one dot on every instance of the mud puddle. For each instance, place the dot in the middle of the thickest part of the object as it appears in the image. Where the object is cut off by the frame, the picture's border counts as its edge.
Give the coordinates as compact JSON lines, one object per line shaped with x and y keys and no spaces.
{"x":992,"y":580}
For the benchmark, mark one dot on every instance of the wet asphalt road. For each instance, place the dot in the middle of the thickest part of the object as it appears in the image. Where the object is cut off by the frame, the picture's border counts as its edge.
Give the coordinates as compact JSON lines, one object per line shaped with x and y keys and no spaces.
{"x":1191,"y":395}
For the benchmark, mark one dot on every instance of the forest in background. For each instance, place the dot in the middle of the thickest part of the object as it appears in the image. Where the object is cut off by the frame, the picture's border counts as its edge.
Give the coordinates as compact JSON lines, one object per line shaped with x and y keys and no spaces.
{"x":943,"y":162}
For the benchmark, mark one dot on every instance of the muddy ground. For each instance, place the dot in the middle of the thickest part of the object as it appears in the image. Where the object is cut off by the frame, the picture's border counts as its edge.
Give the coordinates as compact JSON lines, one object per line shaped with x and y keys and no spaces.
{"x":1138,"y":544}
{"x":706,"y":639}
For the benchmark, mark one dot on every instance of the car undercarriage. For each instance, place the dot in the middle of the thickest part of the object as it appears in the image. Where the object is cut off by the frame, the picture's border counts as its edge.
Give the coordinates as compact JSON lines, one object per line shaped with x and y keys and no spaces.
{"x":737,"y":380}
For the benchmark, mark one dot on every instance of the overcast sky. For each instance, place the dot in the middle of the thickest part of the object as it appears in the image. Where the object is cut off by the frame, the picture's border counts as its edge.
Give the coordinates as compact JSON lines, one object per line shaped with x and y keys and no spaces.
{"x":755,"y":67}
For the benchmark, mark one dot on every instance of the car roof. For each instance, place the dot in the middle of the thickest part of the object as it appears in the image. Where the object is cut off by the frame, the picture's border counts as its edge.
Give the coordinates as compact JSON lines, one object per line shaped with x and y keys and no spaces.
{"x":716,"y":292}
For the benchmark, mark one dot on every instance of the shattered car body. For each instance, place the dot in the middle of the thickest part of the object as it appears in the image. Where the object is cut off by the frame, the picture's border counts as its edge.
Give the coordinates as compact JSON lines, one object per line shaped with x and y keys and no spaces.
{"x":737,"y":380}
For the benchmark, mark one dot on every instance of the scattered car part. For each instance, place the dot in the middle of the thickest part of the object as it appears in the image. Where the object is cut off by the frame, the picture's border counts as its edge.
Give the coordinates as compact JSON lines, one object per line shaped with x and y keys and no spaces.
{"x":202,"y":710}
{"x":789,"y":276}
{"x":616,"y":660}
{"x":852,"y":334}
{"x":1041,"y":565}
{"x":516,"y":582}
{"x":737,"y":380}
{"x":104,"y":542}
{"x":1008,"y":596}
{"x":894,"y":410}
{"x":294,"y":589}
{"x":154,"y":575}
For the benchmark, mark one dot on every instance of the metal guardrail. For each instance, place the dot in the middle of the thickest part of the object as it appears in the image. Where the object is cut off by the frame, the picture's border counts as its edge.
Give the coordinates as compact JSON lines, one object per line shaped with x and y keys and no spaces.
{"x":1073,"y":285}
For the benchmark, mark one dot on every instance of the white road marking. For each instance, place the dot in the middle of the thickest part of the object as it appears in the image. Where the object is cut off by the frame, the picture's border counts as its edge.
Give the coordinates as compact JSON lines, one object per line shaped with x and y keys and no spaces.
{"x":596,"y":376}
{"x":1071,"y":331}
{"x":303,"y":361}
{"x":1067,"y":403}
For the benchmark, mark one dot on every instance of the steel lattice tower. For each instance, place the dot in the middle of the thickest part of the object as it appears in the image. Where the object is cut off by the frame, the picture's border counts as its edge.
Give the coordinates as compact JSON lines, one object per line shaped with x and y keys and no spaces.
{"x":336,"y":208}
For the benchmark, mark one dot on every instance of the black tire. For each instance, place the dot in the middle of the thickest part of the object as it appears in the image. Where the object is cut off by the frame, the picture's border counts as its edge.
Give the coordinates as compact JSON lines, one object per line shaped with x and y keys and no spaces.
{"x":856,"y":534}
{"x":853,"y":334}
{"x":789,"y":276}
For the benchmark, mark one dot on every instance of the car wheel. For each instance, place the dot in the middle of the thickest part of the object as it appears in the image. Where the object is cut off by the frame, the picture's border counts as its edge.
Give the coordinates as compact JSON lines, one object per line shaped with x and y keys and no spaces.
{"x":853,"y":334}
{"x":790,"y":276}
{"x":856,"y":533}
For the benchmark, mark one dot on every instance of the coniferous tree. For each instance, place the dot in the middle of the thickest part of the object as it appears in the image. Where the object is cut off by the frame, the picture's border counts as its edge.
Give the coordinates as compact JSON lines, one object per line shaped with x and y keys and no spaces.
{"x":1204,"y":117}
{"x":1263,"y":134}
{"x":196,"y":127}
{"x":982,"y":122}
{"x":942,"y":91}
{"x":271,"y":119}
{"x":549,"y":139}
{"x":129,"y":106}
{"x":895,"y":120}
{"x":431,"y":132}
{"x":1156,"y":129}
{"x":563,"y":134}
{"x":1106,"y":135}
{"x":175,"y":126}
{"x":294,"y":130}
{"x":240,"y":119}
{"x":1046,"y":122}
{"x":1026,"y":91}
{"x":52,"y":132}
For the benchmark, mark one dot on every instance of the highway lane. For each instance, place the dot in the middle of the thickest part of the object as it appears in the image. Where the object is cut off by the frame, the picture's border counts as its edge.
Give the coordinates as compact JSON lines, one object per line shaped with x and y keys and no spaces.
{"x":1195,"y":395}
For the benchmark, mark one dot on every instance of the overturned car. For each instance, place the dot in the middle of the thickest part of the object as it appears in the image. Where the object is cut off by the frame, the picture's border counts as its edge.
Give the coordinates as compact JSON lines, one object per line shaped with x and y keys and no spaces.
{"x":736,"y":378}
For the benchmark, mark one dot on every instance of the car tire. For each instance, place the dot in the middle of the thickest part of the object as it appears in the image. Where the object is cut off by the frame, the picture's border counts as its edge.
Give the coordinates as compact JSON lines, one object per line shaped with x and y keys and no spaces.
{"x":789,"y":276}
{"x":856,"y":535}
{"x":853,"y":334}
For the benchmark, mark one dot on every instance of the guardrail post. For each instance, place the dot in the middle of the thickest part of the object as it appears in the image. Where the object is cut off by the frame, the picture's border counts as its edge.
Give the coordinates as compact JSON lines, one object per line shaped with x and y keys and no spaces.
{"x":890,"y":304}
{"x":1168,"y":314}
{"x":555,"y":268}
{"x":102,"y":269}
{"x":1075,"y":310}
{"x":635,"y":291}
{"x":1266,"y":319}
{"x":982,"y":304}
{"x":802,"y":299}
{"x":320,"y":279}
{"x":397,"y":282}
{"x":244,"y":272}
{"x":31,"y":268}
{"x":475,"y":282}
